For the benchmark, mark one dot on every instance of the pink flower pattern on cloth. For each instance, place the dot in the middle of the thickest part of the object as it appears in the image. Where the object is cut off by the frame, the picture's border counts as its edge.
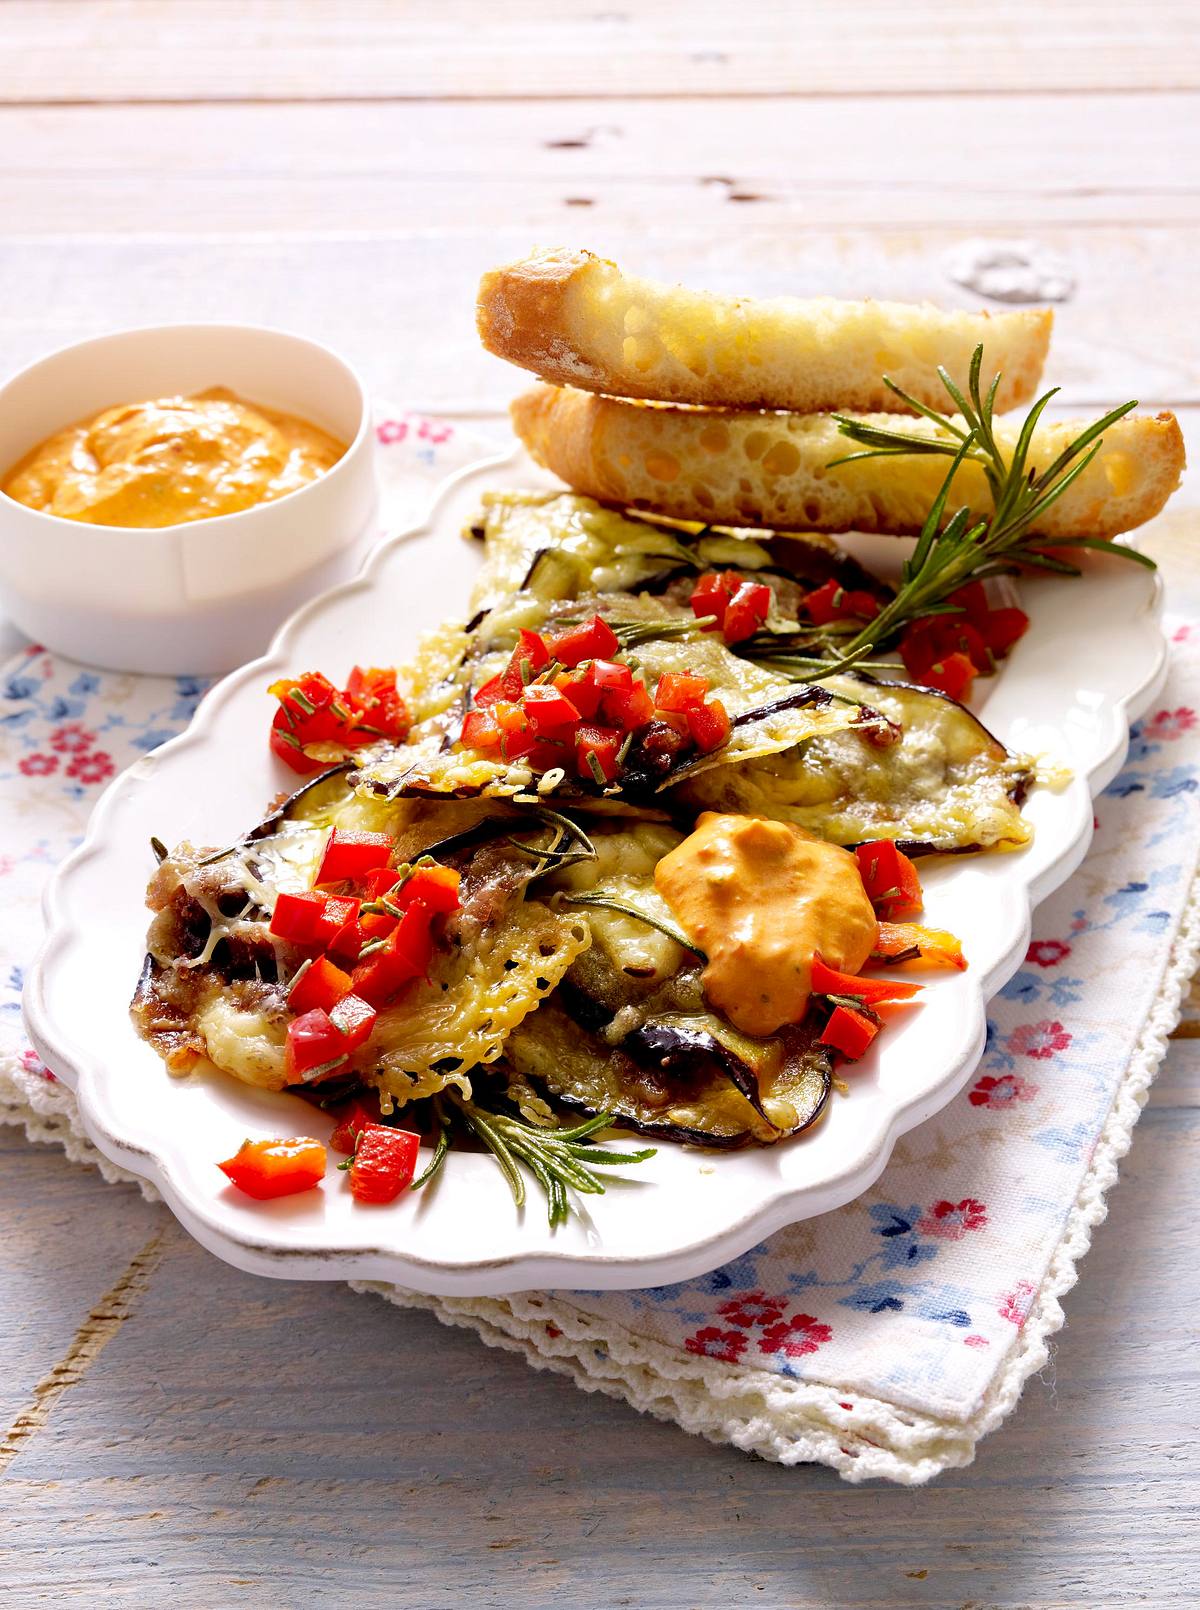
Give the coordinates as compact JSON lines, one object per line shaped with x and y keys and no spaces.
{"x":913,"y":1293}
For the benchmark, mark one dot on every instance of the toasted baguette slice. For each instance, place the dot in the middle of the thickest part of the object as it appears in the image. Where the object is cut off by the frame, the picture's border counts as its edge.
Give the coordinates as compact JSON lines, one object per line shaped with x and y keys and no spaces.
{"x":576,"y":319}
{"x":740,"y":468}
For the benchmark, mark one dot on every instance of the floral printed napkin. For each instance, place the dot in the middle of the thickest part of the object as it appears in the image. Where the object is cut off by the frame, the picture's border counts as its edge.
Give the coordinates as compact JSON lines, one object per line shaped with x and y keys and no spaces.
{"x":885,"y":1338}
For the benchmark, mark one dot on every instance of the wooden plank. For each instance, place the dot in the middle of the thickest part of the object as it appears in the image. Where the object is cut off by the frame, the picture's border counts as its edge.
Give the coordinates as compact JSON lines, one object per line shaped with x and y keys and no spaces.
{"x":733,"y":166}
{"x":245,"y":1441}
{"x":66,"y":50}
{"x":402,"y":306}
{"x":68,"y":1238}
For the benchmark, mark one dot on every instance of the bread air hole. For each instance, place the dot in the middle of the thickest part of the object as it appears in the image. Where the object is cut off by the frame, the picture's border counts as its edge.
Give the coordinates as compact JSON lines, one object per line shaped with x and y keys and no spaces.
{"x":782,"y":459}
{"x":714,"y":439}
{"x":755,"y":445}
{"x":639,"y":352}
{"x":661,"y":466}
{"x":703,"y":497}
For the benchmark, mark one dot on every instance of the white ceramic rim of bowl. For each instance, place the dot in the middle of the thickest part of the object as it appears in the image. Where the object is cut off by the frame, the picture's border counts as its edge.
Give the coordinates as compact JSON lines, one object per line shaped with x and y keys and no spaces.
{"x":209,"y":598}
{"x":210,"y":325}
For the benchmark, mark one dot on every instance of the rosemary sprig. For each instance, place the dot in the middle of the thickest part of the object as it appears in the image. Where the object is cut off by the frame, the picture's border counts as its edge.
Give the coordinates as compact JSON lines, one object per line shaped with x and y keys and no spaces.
{"x":611,"y":902}
{"x":950,"y":554}
{"x":560,"y":1160}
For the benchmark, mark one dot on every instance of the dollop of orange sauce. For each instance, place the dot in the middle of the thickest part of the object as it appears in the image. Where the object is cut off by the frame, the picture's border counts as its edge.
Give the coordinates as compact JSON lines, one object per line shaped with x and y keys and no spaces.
{"x":759,"y":898}
{"x":173,"y":460}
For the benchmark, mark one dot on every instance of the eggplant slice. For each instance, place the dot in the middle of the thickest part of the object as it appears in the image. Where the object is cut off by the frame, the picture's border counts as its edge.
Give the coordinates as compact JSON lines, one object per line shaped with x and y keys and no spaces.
{"x":673,"y":1077}
{"x":948,"y":785}
{"x":556,"y":545}
{"x":629,"y":1031}
{"x":215,"y":981}
{"x":769,"y":712}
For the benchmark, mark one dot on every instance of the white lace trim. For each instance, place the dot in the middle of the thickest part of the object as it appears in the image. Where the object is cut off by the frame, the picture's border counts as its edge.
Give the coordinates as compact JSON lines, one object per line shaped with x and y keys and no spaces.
{"x":793,"y":1422}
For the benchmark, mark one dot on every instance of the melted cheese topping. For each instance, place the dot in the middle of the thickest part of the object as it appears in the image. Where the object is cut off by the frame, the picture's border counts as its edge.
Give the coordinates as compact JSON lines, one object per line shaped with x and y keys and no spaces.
{"x":760,"y":897}
{"x":172,"y":460}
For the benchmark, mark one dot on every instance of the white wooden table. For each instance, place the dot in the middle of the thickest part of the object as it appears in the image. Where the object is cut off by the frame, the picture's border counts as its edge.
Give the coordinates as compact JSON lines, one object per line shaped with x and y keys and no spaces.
{"x":191,"y":1436}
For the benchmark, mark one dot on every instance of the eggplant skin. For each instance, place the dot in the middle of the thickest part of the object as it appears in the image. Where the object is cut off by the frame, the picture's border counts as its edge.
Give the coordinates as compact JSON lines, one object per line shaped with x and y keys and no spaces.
{"x":671,"y":1080}
{"x":286,"y":808}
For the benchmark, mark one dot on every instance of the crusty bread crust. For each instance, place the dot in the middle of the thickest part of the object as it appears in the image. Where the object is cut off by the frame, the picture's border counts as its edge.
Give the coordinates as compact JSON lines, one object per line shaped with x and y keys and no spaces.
{"x":574,"y":318}
{"x":741,"y":468}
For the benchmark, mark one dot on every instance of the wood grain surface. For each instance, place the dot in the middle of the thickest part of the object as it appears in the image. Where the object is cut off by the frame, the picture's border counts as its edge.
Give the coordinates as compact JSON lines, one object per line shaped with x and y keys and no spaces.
{"x":175,"y":1433}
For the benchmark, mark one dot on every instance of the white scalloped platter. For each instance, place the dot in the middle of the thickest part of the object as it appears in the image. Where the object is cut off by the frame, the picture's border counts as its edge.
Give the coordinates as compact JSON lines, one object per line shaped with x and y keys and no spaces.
{"x":1092,"y":660}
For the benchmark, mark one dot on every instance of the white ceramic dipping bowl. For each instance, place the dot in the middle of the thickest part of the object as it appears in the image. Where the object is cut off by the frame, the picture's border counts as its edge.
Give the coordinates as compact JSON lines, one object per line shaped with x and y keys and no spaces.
{"x":208,"y":595}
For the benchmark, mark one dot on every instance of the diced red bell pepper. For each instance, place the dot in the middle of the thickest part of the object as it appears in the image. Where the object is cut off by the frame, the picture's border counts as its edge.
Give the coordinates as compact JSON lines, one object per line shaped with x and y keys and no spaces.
{"x":306,"y":715}
{"x":528,"y":658}
{"x":345,"y":945}
{"x":319,"y":983}
{"x":849,"y":1032}
{"x":287,"y":747}
{"x":309,"y":700}
{"x":378,"y":707}
{"x":312,"y":711}
{"x":933,"y":639}
{"x":596,"y":750}
{"x":269,"y":1168}
{"x":377,"y":924}
{"x":711,"y":595}
{"x":963,"y":638}
{"x":296,"y":917}
{"x":1003,"y":628}
{"x":435,"y":887}
{"x":551,"y":754}
{"x":890,"y":879}
{"x":405,"y":955}
{"x":481,"y":730}
{"x":875,"y":991}
{"x":549,"y":711}
{"x":583,"y":693}
{"x":610,"y":676}
{"x":339,"y":910}
{"x":628,"y":710}
{"x":314,"y":1046}
{"x":594,"y":640}
{"x":517,"y":736}
{"x":531,"y":650}
{"x":354,"y":1019}
{"x":680,"y":690}
{"x":381,"y":881}
{"x":358,"y":1115}
{"x":930,"y":660}
{"x":860,"y":604}
{"x":910,"y":943}
{"x":494,"y":688}
{"x":369,"y":682}
{"x":972,"y":599}
{"x":953,"y":675}
{"x":350,"y":856}
{"x":748,"y":609}
{"x":385,"y":1161}
{"x":709,"y":725}
{"x":833,"y":602}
